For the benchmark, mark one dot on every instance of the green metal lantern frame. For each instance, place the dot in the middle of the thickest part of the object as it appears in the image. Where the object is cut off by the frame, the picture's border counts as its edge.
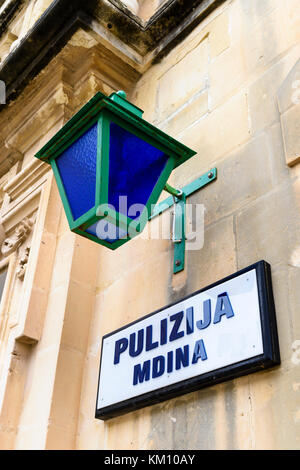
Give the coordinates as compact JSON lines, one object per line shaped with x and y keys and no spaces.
{"x":105,"y":110}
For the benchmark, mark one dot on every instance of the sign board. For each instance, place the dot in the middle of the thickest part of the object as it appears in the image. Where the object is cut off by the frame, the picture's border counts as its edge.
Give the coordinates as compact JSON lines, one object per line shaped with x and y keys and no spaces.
{"x":218,"y":333}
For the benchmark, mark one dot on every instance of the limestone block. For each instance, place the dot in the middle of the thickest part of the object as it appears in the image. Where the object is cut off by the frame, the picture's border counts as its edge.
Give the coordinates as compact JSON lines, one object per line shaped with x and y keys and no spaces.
{"x":82,"y":39}
{"x":145,"y":250}
{"x":54,"y":209}
{"x":91,"y":434}
{"x":77,"y":316}
{"x":284,"y":312}
{"x":173,"y":423}
{"x":68,"y":375}
{"x":132,"y":5}
{"x":33,"y":325}
{"x":145,"y":94}
{"x":128,"y":432}
{"x":293,"y":12}
{"x":148,"y":8}
{"x":59,"y":438}
{"x":5,"y":45}
{"x":257,"y":8}
{"x":269,"y":230}
{"x":90,"y":430}
{"x":183,"y":80}
{"x":266,"y":32}
{"x":63,"y":417}
{"x":275,"y":402}
{"x":293,"y":275}
{"x":217,"y":258}
{"x":279,"y":169}
{"x":12,"y":403}
{"x":39,"y":7}
{"x":63,"y":257}
{"x":235,"y":431}
{"x":125,"y":301}
{"x":291,"y":134}
{"x":263,"y":106}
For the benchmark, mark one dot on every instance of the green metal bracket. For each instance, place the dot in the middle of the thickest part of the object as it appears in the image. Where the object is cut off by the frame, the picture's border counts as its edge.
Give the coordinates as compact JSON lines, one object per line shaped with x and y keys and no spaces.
{"x":178,"y":199}
{"x":179,"y":234}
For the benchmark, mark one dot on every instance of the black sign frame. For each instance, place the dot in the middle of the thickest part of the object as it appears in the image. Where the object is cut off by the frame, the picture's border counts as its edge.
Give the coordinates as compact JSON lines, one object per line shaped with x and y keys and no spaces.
{"x":269,"y":358}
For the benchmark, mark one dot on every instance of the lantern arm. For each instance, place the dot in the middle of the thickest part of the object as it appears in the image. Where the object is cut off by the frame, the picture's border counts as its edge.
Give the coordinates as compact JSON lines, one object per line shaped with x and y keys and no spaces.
{"x":178,"y":232}
{"x":188,"y":190}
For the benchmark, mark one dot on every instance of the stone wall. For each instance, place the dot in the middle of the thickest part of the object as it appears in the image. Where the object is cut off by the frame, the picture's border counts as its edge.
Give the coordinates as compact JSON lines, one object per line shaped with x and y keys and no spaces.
{"x":229,"y":90}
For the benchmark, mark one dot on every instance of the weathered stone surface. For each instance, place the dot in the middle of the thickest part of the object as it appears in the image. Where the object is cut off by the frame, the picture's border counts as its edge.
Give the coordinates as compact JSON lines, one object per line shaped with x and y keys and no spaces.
{"x":279,"y":168}
{"x":217,"y":92}
{"x":226,"y":74}
{"x":263,"y":105}
{"x":217,"y":258}
{"x":289,"y":90}
{"x":215,"y":136}
{"x":219,"y":35}
{"x":275,"y":402}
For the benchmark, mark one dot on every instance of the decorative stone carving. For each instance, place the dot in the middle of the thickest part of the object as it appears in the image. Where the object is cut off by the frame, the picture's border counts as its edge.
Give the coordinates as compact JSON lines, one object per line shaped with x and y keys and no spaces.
{"x":12,"y":243}
{"x":22,"y":265}
{"x":2,"y":234}
{"x":8,"y":157}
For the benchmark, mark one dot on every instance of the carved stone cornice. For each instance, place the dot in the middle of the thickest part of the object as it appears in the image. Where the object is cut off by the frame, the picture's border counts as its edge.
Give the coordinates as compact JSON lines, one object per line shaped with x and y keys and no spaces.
{"x":19,"y":235}
{"x":80,"y":70}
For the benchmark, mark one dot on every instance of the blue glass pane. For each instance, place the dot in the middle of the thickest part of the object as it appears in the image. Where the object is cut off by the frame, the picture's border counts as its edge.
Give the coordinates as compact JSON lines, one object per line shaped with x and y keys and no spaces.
{"x":77,"y":168}
{"x":134,"y":168}
{"x":106,"y":231}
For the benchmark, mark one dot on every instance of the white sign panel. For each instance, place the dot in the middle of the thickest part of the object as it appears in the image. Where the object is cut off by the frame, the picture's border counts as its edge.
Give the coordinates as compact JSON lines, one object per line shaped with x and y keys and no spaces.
{"x":223,"y":331}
